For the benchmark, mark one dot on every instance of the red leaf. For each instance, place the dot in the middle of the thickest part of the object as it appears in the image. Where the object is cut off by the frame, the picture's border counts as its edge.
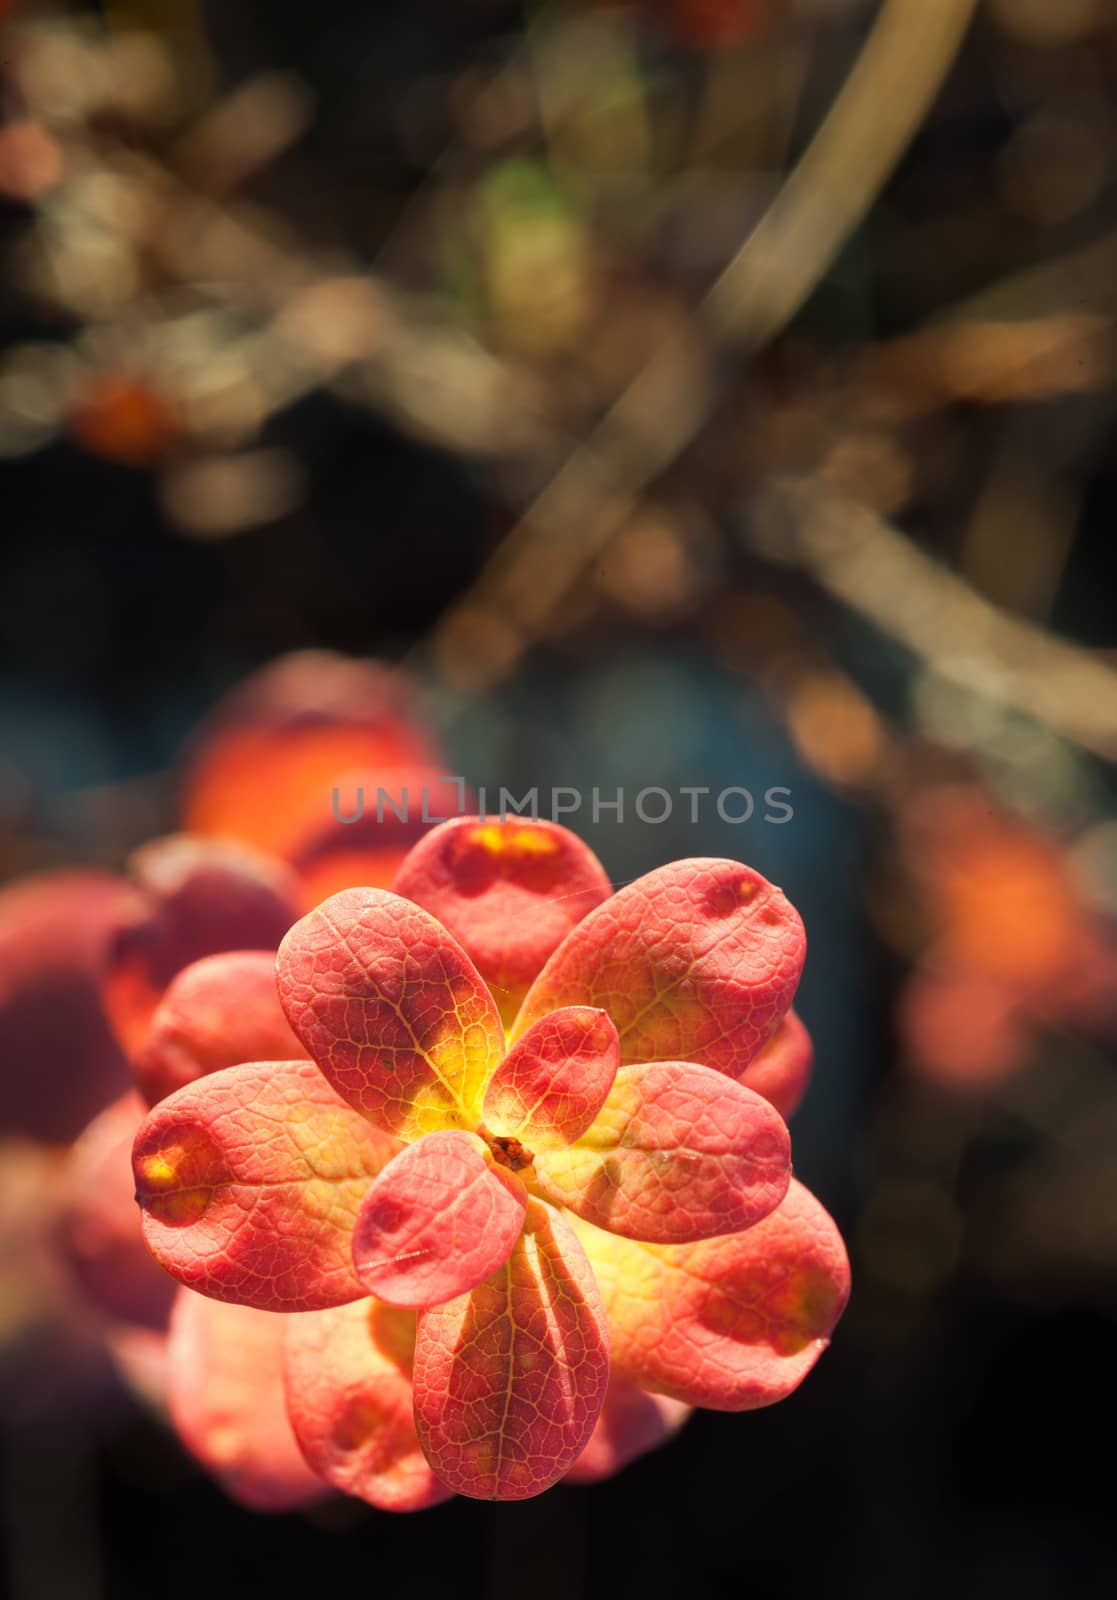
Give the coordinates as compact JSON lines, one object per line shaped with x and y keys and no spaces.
{"x":350,"y":1403}
{"x":61,"y":1061}
{"x":509,"y":1379}
{"x":393,"y":1011}
{"x":250,"y":1182}
{"x":731,"y":1323}
{"x":217,"y":1013}
{"x":228,"y":1404}
{"x":679,"y":1153}
{"x":101,"y":1234}
{"x":509,"y":892}
{"x":782,"y":1070}
{"x":697,"y":961}
{"x":197,"y":897}
{"x":553,"y":1082}
{"x":372,"y":844}
{"x":263,"y":764}
{"x":440,"y":1218}
{"x":632,"y":1422}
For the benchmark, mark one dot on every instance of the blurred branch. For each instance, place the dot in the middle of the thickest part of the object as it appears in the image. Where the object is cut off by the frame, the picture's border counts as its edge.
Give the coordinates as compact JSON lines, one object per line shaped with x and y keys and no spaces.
{"x":352,"y":332}
{"x":1085,"y":279}
{"x":595,"y":490}
{"x":836,"y":180}
{"x":863,"y":562}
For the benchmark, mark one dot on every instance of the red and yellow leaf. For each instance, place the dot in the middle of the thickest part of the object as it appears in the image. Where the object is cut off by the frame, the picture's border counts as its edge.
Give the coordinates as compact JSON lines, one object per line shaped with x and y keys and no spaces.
{"x":350,"y":1403}
{"x":731,"y":1323}
{"x":678,"y":1153}
{"x":250,"y":1182}
{"x":510,"y":1378}
{"x":697,"y":961}
{"x":217,"y":1013}
{"x":782,"y":1070}
{"x":228,"y":1404}
{"x":100,"y":1231}
{"x":632,"y":1423}
{"x":509,"y":892}
{"x":196,"y":897}
{"x":554,"y":1080}
{"x":393,"y":1011}
{"x":437,"y":1221}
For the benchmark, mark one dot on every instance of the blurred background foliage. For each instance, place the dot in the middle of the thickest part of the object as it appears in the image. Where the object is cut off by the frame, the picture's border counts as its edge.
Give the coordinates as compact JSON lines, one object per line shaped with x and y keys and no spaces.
{"x":689,"y":392}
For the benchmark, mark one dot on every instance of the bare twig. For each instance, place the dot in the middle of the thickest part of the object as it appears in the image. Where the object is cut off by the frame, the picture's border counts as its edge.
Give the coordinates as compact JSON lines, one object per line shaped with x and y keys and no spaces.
{"x":857,"y":557}
{"x":882,"y":104}
{"x":902,"y":65}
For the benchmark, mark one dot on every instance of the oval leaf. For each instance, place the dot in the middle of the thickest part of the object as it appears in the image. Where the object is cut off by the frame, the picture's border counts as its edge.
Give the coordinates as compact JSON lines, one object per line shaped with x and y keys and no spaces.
{"x":100,"y":1233}
{"x":731,"y":1323}
{"x":782,"y":1070}
{"x":508,"y":891}
{"x":217,"y":1013}
{"x":440,"y":1218}
{"x":350,"y":1404}
{"x":393,"y":1011}
{"x":553,"y":1082}
{"x":509,"y":1379}
{"x":697,"y":961}
{"x":632,"y":1422}
{"x":250,"y":1182}
{"x":62,"y":1061}
{"x":197,"y":897}
{"x":228,"y":1404}
{"x":678,"y":1153}
{"x":261,"y":765}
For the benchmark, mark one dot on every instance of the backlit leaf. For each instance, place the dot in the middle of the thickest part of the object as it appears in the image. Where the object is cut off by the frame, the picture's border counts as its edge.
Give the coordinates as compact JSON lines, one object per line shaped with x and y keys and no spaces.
{"x":350,"y":1403}
{"x":782,"y":1070}
{"x":250,"y":1182}
{"x":697,"y":961}
{"x":228,"y":1404}
{"x":196,"y":897}
{"x":632,"y":1422}
{"x":509,"y":1379}
{"x":553,"y":1082}
{"x":508,"y":891}
{"x":440,"y":1218}
{"x":219,"y":1012}
{"x":678,"y":1153}
{"x":261,"y":766}
{"x":393,"y":1011}
{"x":100,"y":1234}
{"x":731,"y":1323}
{"x":379,"y":829}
